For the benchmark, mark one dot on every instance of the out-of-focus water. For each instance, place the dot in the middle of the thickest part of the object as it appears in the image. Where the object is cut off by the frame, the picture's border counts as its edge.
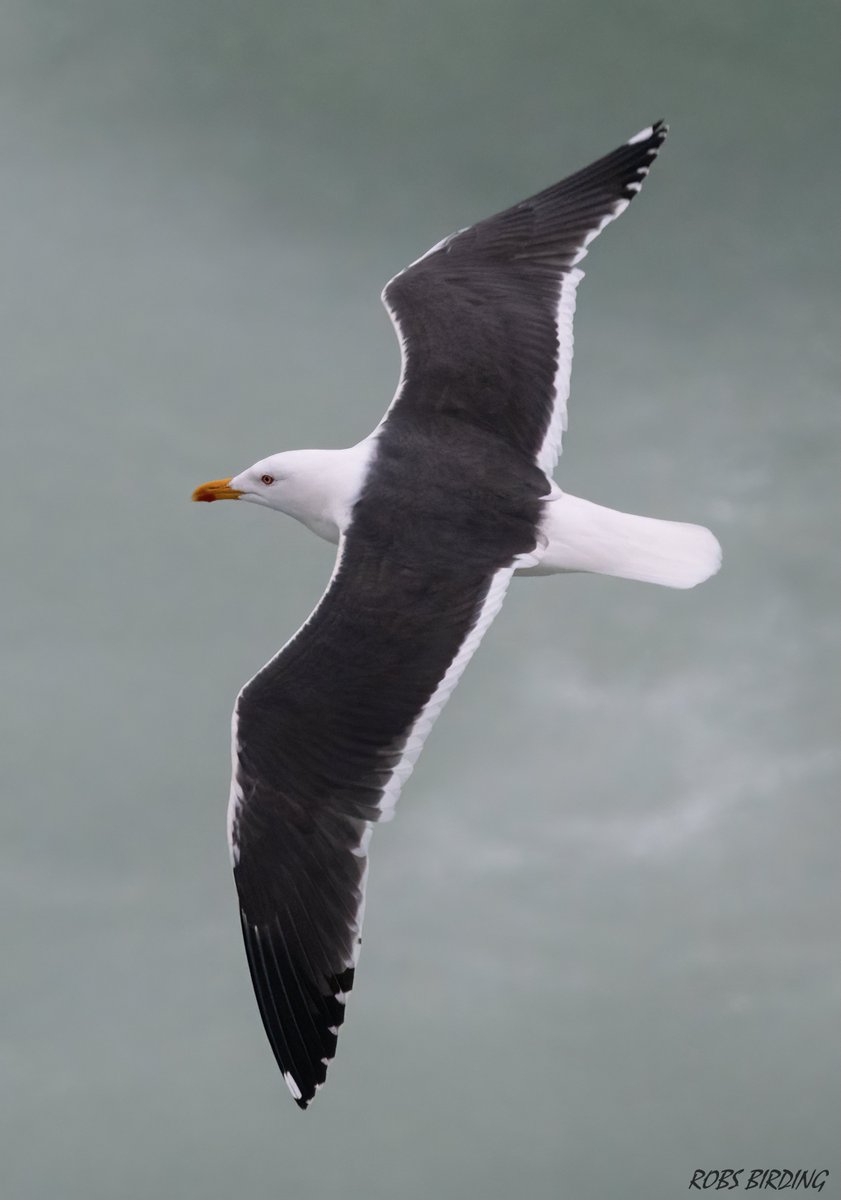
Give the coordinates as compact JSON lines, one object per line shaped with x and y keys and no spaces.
{"x":602,"y":937}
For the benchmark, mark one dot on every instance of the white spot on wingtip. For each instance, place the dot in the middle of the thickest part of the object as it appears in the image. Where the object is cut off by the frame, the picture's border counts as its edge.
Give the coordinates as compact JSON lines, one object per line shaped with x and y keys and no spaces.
{"x":642,"y":136}
{"x":292,"y":1085}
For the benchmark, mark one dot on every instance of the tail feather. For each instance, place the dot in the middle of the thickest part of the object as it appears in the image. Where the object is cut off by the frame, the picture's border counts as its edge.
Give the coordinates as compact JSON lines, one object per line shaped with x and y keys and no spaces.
{"x":581,"y":536}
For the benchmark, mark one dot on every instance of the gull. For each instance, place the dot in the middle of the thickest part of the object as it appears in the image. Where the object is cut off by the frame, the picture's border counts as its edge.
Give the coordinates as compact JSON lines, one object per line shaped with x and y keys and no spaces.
{"x":433,"y":514}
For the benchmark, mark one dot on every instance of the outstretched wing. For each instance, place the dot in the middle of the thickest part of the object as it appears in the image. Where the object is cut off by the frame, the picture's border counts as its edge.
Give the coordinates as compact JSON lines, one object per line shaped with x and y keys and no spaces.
{"x":323,"y":738}
{"x":326,"y":733}
{"x":484,"y":318}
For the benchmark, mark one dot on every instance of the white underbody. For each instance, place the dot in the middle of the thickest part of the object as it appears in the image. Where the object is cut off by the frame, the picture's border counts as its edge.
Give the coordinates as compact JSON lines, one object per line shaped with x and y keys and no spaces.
{"x":575,"y":535}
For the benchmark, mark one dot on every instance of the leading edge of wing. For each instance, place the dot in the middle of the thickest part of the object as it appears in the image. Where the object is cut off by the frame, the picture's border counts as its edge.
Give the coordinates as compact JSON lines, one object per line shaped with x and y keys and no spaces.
{"x":574,"y":210}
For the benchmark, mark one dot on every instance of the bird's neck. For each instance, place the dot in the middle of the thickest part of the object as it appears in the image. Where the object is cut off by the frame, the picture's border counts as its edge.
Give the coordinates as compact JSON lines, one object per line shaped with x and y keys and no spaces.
{"x":326,"y":485}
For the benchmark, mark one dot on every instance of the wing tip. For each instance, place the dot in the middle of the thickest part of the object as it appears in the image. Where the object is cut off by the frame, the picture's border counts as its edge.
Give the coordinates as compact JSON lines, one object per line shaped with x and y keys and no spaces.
{"x":647,"y":144}
{"x":656,"y":133}
{"x":302,"y":1100}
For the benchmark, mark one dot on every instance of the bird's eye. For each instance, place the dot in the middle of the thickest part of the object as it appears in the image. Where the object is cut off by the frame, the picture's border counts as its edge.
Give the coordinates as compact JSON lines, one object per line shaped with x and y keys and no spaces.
{"x":267,"y":479}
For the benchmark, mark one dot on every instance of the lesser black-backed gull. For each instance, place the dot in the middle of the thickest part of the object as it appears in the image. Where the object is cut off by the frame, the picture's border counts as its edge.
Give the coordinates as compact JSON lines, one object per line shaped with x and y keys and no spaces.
{"x":433,"y":513}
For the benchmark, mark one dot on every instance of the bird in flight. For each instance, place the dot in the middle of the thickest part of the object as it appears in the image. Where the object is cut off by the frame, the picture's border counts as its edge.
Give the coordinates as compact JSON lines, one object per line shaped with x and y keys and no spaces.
{"x":433,"y":514}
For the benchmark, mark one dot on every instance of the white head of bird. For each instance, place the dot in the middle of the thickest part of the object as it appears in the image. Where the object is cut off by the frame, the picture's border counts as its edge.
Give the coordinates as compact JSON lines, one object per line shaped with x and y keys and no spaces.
{"x":316,"y":487}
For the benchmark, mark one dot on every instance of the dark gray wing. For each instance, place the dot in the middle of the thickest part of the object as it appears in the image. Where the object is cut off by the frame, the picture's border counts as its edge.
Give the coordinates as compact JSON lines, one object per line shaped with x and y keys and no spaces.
{"x":326,"y":733}
{"x":484,"y":318}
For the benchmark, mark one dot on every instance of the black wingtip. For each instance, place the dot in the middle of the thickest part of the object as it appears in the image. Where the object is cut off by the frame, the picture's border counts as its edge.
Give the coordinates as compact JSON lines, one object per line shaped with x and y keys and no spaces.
{"x":654,"y":135}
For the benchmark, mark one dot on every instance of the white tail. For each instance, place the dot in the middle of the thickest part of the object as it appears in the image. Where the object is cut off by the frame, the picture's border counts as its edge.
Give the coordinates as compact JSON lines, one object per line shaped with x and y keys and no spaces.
{"x":581,"y":536}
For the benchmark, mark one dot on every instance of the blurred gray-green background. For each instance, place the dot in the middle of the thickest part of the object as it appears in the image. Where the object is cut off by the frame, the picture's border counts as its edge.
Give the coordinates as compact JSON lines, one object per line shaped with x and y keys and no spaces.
{"x":602,"y":938}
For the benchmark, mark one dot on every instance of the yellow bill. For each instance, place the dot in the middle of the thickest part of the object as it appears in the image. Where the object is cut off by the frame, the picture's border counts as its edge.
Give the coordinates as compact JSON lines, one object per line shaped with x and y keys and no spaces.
{"x":217,"y":489}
